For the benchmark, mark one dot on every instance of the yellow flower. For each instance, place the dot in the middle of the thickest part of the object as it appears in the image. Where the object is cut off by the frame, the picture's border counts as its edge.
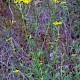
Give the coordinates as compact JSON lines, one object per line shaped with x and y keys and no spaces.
{"x":74,"y":55}
{"x":63,"y":2}
{"x":16,"y":71}
{"x":56,"y":1}
{"x":27,"y":1}
{"x":40,"y":62}
{"x":57,"y":23}
{"x":24,"y":1}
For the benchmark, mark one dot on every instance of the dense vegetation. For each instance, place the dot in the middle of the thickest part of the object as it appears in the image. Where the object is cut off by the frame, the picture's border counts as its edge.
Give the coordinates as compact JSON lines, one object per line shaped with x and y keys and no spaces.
{"x":40,"y":40}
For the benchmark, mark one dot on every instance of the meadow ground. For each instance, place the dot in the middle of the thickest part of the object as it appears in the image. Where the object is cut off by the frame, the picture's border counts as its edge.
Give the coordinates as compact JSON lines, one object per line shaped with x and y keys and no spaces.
{"x":40,"y":40}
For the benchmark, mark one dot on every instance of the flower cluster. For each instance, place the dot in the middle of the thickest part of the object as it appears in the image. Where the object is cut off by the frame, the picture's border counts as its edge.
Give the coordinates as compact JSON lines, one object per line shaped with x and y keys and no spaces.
{"x":24,"y":1}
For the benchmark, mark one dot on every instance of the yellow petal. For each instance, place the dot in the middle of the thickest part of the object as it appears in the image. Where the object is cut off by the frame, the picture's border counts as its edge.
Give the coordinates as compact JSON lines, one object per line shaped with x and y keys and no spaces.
{"x":27,"y":1}
{"x":57,"y":23}
{"x":16,"y":71}
{"x":56,"y":1}
{"x":74,"y":55}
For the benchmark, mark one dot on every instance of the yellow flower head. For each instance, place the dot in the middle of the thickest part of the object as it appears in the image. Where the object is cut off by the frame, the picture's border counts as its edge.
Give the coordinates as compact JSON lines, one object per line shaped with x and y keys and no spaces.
{"x":24,"y":1}
{"x":63,"y":2}
{"x":27,"y":1}
{"x":57,"y":23}
{"x":56,"y":1}
{"x":16,"y":71}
